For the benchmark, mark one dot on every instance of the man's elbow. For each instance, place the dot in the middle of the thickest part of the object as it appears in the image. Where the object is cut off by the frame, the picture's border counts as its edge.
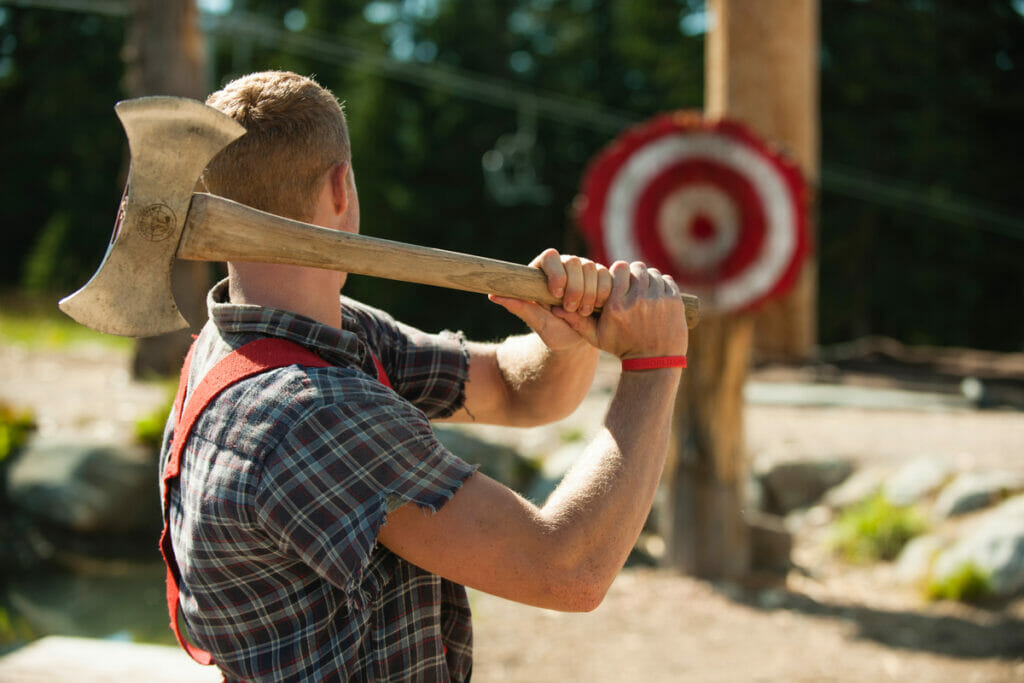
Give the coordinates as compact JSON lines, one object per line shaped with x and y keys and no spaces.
{"x":538,"y":414}
{"x":579,"y":591}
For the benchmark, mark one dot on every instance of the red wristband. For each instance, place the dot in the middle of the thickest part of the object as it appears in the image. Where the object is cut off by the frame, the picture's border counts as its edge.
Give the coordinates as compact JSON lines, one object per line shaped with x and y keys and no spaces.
{"x":653,"y":363}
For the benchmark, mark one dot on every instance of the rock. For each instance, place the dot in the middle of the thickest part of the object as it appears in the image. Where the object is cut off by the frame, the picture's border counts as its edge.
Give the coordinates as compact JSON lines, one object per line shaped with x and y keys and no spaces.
{"x":87,"y":488}
{"x":553,"y":470}
{"x":995,"y":546}
{"x":498,"y":461}
{"x":914,"y":564}
{"x":975,"y":490}
{"x":858,"y":487}
{"x":771,"y":545}
{"x":792,"y":485}
{"x":917,"y":479}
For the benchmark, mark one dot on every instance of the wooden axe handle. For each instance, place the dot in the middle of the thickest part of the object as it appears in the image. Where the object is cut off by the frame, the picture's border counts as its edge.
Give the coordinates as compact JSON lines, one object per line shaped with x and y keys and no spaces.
{"x":219,"y":229}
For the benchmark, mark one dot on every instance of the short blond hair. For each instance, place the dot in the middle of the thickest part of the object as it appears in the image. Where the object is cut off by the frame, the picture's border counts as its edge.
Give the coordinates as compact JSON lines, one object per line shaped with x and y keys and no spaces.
{"x":295,"y":132}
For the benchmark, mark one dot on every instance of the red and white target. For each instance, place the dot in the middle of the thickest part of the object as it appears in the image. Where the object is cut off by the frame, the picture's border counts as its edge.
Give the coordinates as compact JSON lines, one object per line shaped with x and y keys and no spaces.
{"x":707,"y":202}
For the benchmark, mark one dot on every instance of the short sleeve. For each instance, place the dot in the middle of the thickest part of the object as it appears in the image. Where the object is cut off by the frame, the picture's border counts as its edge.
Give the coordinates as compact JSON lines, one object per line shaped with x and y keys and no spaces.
{"x":428,"y":370}
{"x":326,"y":490}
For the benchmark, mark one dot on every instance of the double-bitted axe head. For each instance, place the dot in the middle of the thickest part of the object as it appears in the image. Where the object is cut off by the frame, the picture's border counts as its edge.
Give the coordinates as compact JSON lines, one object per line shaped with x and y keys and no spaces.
{"x":171,"y":140}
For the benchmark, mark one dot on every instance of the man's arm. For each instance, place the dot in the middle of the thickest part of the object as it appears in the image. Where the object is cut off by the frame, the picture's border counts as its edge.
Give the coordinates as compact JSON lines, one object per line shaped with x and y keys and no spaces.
{"x":543,"y":376}
{"x":565,"y":554}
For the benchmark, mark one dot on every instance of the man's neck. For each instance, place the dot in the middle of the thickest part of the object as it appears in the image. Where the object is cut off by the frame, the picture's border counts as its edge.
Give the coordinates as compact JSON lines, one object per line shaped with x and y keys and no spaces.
{"x":310,"y":292}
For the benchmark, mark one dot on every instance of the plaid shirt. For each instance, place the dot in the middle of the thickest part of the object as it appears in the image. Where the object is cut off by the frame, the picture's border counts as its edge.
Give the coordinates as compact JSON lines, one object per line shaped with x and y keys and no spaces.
{"x":286,"y":480}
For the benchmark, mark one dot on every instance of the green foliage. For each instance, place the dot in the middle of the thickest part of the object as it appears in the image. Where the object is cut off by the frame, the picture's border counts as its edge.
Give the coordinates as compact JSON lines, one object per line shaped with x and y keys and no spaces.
{"x":149,"y":429}
{"x":969,"y":583}
{"x":36,"y":322}
{"x":875,"y":529}
{"x":15,"y":630}
{"x":929,"y":95}
{"x":15,"y":428}
{"x":572,"y":435}
{"x":60,"y":75}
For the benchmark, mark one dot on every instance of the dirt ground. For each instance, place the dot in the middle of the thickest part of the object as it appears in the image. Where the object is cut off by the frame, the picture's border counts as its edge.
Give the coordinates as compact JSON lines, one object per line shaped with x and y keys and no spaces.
{"x":823,"y":622}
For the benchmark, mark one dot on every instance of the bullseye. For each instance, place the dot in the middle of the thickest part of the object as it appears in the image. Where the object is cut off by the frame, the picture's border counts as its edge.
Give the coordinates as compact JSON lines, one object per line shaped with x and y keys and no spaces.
{"x":701,"y":228}
{"x":705,"y":201}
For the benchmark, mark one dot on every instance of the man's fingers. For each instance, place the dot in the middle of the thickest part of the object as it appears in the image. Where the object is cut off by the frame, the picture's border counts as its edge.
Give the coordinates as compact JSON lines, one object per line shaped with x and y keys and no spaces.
{"x":673,"y":286}
{"x":589,"y":298}
{"x":641,"y":279}
{"x":550,"y":261}
{"x":657,"y":287}
{"x":621,"y":275}
{"x":575,"y":283}
{"x":529,"y":312}
{"x":604,"y":286}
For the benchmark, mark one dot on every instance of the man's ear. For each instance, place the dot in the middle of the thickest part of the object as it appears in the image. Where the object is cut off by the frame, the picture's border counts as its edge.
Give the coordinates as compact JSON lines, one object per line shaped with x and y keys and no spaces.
{"x":339,"y":188}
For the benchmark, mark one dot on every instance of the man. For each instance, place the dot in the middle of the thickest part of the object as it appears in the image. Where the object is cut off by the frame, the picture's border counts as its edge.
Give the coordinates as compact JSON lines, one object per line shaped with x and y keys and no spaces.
{"x":320,"y":530}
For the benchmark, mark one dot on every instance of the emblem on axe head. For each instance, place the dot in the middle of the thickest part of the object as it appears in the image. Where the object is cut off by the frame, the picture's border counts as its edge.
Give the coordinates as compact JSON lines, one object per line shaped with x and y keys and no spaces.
{"x":171,"y":140}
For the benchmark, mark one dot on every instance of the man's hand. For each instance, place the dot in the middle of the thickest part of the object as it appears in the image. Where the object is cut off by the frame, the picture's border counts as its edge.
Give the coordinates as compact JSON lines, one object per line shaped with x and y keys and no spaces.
{"x":583,"y":286}
{"x":642,"y":316}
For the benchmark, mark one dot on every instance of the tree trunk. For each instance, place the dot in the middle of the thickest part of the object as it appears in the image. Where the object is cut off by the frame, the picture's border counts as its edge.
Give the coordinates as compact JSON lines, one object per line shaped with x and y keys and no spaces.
{"x":760,"y":68}
{"x":164,"y":56}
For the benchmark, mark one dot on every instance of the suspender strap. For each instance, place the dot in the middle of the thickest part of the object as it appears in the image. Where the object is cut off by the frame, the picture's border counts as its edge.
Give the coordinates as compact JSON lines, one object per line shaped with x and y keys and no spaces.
{"x":252,"y":359}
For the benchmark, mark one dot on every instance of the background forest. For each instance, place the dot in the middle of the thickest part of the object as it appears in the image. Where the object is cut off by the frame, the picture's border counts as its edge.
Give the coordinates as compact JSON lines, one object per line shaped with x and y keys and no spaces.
{"x":920,"y":213}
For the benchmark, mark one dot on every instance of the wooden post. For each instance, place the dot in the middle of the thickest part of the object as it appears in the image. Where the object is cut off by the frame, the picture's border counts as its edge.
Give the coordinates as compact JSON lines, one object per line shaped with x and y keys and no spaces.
{"x":760,"y":69}
{"x":164,"y":56}
{"x":705,"y":531}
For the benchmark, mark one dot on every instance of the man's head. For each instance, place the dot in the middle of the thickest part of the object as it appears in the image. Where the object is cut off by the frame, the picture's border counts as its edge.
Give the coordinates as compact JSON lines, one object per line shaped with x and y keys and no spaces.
{"x":295,"y":133}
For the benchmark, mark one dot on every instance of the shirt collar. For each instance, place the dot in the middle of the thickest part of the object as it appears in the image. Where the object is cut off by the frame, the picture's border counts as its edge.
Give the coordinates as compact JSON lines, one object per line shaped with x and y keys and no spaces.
{"x":339,"y":347}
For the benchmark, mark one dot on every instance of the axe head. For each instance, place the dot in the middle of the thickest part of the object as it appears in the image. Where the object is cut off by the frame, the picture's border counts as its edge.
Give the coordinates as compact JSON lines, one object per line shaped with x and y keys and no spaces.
{"x":171,"y":140}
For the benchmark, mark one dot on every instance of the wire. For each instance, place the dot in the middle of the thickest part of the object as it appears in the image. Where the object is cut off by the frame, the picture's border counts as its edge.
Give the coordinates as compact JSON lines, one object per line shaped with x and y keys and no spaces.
{"x":952,"y":208}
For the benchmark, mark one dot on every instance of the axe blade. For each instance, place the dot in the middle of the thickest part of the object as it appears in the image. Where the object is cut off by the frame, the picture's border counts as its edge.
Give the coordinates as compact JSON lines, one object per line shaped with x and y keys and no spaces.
{"x":171,"y":140}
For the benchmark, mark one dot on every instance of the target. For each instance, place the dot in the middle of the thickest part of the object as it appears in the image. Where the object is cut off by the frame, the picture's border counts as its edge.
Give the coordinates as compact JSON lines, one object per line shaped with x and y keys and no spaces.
{"x":707,"y":202}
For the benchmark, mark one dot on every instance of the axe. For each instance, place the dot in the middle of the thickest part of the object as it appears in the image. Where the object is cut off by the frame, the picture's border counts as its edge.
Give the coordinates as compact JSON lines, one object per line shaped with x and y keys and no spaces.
{"x":171,"y":140}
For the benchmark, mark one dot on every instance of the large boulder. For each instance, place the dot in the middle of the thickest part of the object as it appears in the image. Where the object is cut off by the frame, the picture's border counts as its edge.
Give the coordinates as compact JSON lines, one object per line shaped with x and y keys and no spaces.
{"x":995,"y":546}
{"x":86,"y":488}
{"x":498,"y":461}
{"x":917,"y":479}
{"x":789,"y":486}
{"x":858,"y":487}
{"x":971,"y":491}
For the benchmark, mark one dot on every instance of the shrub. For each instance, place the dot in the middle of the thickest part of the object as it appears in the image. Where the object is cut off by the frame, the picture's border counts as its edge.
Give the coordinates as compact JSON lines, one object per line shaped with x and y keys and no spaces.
{"x":969,"y":583}
{"x":149,"y":429}
{"x":875,"y":529}
{"x":15,"y":427}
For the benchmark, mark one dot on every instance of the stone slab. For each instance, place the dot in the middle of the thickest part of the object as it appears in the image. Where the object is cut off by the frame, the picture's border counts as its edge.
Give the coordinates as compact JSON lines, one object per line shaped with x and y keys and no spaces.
{"x":60,"y":659}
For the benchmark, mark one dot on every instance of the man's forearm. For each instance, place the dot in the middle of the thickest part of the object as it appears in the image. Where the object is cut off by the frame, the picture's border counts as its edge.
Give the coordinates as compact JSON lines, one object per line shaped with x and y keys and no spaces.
{"x":543,"y":384}
{"x":600,"y":507}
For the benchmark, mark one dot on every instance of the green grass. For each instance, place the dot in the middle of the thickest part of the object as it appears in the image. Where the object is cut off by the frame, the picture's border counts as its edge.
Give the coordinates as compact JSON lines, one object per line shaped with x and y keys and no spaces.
{"x":875,"y":529}
{"x":15,"y":427}
{"x":35,"y":321}
{"x":969,"y":583}
{"x":149,"y":429}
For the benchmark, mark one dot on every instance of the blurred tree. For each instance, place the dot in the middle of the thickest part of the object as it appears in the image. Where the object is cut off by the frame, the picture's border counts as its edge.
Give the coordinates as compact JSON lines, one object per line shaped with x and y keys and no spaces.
{"x":929,"y":94}
{"x":60,"y":74}
{"x":164,"y":56}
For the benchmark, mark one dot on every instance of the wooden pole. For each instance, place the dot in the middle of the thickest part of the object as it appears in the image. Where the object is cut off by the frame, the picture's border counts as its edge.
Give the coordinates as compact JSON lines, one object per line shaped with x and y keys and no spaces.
{"x":705,"y":531}
{"x":760,"y":68}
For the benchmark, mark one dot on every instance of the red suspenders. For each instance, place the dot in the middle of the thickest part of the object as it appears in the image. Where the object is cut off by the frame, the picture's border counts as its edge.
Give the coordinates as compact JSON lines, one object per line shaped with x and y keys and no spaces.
{"x":249,"y":360}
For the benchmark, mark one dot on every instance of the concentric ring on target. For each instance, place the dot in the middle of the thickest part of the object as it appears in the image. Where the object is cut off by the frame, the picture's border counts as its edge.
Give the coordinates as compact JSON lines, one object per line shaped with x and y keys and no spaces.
{"x":708,"y":203}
